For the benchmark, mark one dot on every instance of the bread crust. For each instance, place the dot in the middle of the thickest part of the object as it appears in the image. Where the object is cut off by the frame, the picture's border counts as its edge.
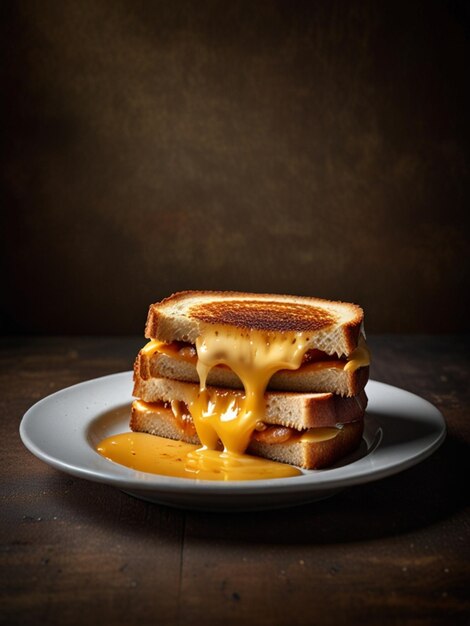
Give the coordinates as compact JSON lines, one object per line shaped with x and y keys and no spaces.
{"x":332,"y":326}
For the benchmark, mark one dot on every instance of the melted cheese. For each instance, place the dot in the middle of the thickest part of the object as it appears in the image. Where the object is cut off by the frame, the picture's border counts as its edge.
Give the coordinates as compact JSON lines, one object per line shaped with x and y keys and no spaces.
{"x":157,"y":455}
{"x":254,"y":356}
{"x":153,"y":346}
{"x":360,"y":357}
{"x":316,"y":435}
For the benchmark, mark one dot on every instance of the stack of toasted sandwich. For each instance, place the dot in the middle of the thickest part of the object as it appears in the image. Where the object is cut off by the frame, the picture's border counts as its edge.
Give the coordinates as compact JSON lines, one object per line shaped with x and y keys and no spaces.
{"x":280,"y":377}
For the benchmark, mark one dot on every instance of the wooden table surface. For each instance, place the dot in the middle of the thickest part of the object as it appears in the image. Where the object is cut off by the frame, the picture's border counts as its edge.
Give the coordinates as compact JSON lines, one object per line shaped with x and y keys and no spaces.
{"x":394,"y":551}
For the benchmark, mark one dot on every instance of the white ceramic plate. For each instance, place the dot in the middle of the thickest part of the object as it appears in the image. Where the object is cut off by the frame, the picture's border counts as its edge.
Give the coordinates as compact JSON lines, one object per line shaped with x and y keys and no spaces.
{"x":63,"y":429}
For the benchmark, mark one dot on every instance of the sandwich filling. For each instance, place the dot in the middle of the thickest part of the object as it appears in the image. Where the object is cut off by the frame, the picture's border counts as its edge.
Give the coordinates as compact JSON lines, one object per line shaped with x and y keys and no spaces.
{"x":312,"y":358}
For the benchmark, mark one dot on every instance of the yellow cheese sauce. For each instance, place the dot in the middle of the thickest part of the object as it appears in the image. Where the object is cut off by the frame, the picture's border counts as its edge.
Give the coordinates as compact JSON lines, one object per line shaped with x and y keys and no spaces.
{"x":254,"y":356}
{"x":360,"y":357}
{"x":156,"y":455}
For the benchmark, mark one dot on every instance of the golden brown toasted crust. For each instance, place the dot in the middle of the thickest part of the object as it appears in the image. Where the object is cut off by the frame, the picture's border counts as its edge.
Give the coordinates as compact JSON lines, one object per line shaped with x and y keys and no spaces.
{"x":270,"y":316}
{"x":334,"y":326}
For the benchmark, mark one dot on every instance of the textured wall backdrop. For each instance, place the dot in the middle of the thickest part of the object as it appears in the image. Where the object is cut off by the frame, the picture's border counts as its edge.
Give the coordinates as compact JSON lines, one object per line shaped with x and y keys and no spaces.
{"x":314,"y":147}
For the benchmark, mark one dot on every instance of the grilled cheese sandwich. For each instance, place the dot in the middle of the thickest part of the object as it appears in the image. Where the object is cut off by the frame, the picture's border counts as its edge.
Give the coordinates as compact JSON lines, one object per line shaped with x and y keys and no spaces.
{"x":252,"y":339}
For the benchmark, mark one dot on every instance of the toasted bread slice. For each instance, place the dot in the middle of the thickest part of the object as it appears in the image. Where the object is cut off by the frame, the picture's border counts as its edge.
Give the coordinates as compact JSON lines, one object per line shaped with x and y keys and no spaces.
{"x":290,"y":409}
{"x":157,"y":420}
{"x":332,"y":327}
{"x":312,"y":377}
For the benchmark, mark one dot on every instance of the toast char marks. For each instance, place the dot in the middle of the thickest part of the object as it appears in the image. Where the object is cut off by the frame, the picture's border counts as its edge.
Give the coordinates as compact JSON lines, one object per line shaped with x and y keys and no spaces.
{"x":264,"y":315}
{"x":332,"y":327}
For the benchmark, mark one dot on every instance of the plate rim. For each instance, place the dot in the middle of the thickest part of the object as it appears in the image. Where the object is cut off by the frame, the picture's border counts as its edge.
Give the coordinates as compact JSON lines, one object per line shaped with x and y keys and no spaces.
{"x":309,"y":481}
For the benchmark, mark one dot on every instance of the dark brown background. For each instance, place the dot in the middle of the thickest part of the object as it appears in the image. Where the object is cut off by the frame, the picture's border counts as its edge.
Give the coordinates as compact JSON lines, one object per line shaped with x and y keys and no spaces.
{"x":303,"y":147}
